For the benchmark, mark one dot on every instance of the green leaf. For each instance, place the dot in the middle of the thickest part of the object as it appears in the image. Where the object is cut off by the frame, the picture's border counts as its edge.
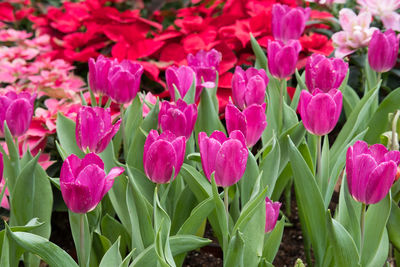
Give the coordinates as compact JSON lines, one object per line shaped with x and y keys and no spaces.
{"x":40,"y":246}
{"x":309,"y":201}
{"x":197,"y":216}
{"x":199,"y":185}
{"x":261,"y":59}
{"x":66,"y":135}
{"x":127,"y":260}
{"x":179,"y":244}
{"x":268,"y":167}
{"x":246,"y":183}
{"x":100,"y":245}
{"x":393,"y":225}
{"x":112,"y":229}
{"x":207,"y":118}
{"x":344,"y":248}
{"x":185,"y":204}
{"x":190,"y":94}
{"x":235,"y":251}
{"x":133,"y":118}
{"x":112,"y":256}
{"x":221,"y":213}
{"x":350,"y":100}
{"x":272,"y":241}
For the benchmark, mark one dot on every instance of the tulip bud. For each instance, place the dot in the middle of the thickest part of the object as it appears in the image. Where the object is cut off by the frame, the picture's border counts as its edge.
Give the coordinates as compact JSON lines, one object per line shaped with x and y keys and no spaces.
{"x":288,"y":23}
{"x":17,"y":111}
{"x":227,"y":157}
{"x":251,"y":122}
{"x":178,"y":118}
{"x":282,"y":58}
{"x":370,"y":171}
{"x":325,"y":73}
{"x":248,"y":87}
{"x":84,"y":183}
{"x":382,"y":50}
{"x":98,"y":74}
{"x":182,"y":78}
{"x":124,"y":79}
{"x":163,"y":154}
{"x":320,"y":111}
{"x":271,"y":214}
{"x":94,"y":129}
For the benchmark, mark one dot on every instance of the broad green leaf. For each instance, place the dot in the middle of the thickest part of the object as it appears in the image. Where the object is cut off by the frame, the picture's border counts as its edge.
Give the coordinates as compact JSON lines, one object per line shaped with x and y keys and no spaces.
{"x":66,"y":135}
{"x":190,"y":94}
{"x":393,"y":226}
{"x":133,"y":118}
{"x":261,"y":59}
{"x":183,"y":208}
{"x":382,"y":254}
{"x":221,"y":214}
{"x":246,"y":183}
{"x":273,"y":240}
{"x":268,"y":167}
{"x":127,"y":260}
{"x":112,"y":256}
{"x":350,"y":100}
{"x":100,"y":246}
{"x":49,"y":252}
{"x":198,"y":215}
{"x":207,"y":119}
{"x":112,"y":229}
{"x":235,"y":251}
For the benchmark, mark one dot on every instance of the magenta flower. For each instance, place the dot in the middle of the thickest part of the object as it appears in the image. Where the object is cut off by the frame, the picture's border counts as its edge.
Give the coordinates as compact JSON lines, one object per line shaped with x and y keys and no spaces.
{"x":17,"y":111}
{"x":251,"y":122}
{"x":124,"y":79}
{"x":94,"y":129}
{"x":84,"y":183}
{"x":205,"y":65}
{"x":182,"y":78}
{"x":325,"y":73}
{"x":98,"y":74}
{"x":271,"y":214}
{"x":282,"y":58}
{"x":248,"y":87}
{"x":227,"y":157}
{"x":370,"y":171}
{"x":382,"y":50}
{"x":163,"y":155}
{"x":288,"y":23}
{"x":320,"y":111}
{"x":179,"y":118}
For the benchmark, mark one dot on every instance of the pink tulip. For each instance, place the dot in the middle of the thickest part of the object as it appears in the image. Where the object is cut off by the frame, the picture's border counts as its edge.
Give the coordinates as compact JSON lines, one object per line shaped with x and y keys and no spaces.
{"x":325,"y":73}
{"x":124,"y":81}
{"x":84,"y":183}
{"x":288,"y":23}
{"x":282,"y":58}
{"x":271,"y":214}
{"x":94,"y":129}
{"x":370,"y":171}
{"x":98,"y":74}
{"x":17,"y":111}
{"x":248,"y":87}
{"x":227,"y":157}
{"x":320,"y":111}
{"x":382,"y":50}
{"x":182,"y":78}
{"x":178,"y":118}
{"x":251,"y":122}
{"x":163,"y":155}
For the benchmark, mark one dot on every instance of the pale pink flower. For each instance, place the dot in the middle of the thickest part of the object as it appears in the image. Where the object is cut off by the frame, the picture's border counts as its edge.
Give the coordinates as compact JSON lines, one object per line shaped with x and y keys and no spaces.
{"x":385,"y":9}
{"x":151,"y":99}
{"x":356,"y":32}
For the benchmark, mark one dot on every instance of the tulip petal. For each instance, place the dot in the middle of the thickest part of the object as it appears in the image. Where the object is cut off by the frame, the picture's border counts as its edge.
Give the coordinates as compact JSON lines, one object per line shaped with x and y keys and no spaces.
{"x":161,"y":159}
{"x":109,"y":180}
{"x":256,"y":123}
{"x":179,"y":145}
{"x":209,"y":148}
{"x":70,"y":169}
{"x":77,"y":197}
{"x":321,"y":113}
{"x":151,"y":138}
{"x":235,"y":120}
{"x":363,"y":166}
{"x":379,"y":182}
{"x":92,"y":158}
{"x":19,"y":116}
{"x":93,"y":178}
{"x":103,"y":143}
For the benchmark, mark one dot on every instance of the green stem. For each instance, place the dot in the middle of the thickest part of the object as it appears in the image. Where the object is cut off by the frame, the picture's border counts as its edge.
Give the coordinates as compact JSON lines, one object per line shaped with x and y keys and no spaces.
{"x":318,"y":171}
{"x":108,"y":104}
{"x":226,"y":203}
{"x":395,"y":144}
{"x":124,"y":141}
{"x":362,"y":225}
{"x":280,"y":119}
{"x":82,"y":239}
{"x":101,"y":100}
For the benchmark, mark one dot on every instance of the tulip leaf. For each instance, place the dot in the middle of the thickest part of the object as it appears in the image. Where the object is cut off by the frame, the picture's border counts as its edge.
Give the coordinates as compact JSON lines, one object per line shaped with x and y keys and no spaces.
{"x":246,"y":183}
{"x":191,"y":93}
{"x":382,"y":254}
{"x":199,"y":185}
{"x":127,"y":259}
{"x":379,"y":122}
{"x":49,"y":252}
{"x":375,"y":224}
{"x":12,"y":169}
{"x":100,"y":245}
{"x":261,"y":58}
{"x":268,"y":167}
{"x":66,"y":135}
{"x":273,"y":240}
{"x":112,"y":256}
{"x":350,"y":100}
{"x":5,"y":251}
{"x":133,"y":118}
{"x":235,"y":251}
{"x":179,"y":244}
{"x":343,"y":246}
{"x":393,"y":226}
{"x":221,"y":214}
{"x":112,"y":229}
{"x":309,"y":201}
{"x":197,"y":216}
{"x":185,"y":204}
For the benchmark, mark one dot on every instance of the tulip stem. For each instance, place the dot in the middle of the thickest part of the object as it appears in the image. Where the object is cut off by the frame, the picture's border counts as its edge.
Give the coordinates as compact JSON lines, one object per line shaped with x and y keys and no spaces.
{"x":125,"y":144}
{"x":280,"y":122}
{"x":226,"y":203}
{"x":82,"y":238}
{"x":395,"y":143}
{"x":101,"y":100}
{"x":362,"y":225}
{"x":318,"y":171}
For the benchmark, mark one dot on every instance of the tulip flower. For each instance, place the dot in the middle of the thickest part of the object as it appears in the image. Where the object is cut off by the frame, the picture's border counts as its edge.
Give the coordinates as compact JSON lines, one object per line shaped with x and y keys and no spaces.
{"x":163,"y":155}
{"x":226,"y":157}
{"x":98,"y":74}
{"x":382,"y":50}
{"x":248,"y":87}
{"x":370,"y":171}
{"x":17,"y":111}
{"x":325,"y":73}
{"x":282,"y":58}
{"x":124,"y":79}
{"x":320,"y":111}
{"x":271,"y":214}
{"x":94,"y":129}
{"x":356,"y":32}
{"x":385,"y":9}
{"x":251,"y":122}
{"x":182,"y":78}
{"x":178,"y":118}
{"x":84,"y":183}
{"x":288,"y":23}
